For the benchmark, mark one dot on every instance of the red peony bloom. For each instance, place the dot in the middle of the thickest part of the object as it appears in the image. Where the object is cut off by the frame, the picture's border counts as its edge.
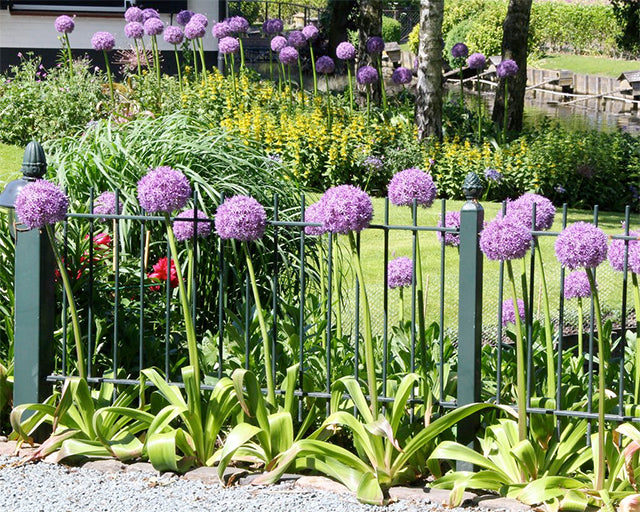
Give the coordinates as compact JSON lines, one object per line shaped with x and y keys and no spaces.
{"x":160,"y":273}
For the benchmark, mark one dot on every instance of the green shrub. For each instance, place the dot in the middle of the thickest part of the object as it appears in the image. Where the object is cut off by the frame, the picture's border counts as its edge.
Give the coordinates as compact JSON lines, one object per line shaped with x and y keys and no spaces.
{"x":485,"y":33}
{"x":457,"y":34}
{"x":414,"y":39}
{"x":391,"y":30}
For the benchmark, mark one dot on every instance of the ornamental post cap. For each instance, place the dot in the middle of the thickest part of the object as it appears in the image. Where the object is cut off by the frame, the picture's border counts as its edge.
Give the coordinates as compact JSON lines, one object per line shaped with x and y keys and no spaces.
{"x":472,"y":187}
{"x":34,"y":163}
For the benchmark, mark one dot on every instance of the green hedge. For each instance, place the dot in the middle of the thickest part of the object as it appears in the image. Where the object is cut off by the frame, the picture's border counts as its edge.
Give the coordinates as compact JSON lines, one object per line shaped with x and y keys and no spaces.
{"x":391,"y":30}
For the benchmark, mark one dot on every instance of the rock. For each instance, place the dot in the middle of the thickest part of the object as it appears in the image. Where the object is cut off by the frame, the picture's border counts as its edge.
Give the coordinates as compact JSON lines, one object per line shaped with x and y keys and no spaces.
{"x":441,"y":496}
{"x":409,"y":493}
{"x":322,"y":483}
{"x":494,"y":502}
{"x":105,"y":466}
{"x":140,"y":467}
{"x":8,"y":448}
{"x":208,"y":476}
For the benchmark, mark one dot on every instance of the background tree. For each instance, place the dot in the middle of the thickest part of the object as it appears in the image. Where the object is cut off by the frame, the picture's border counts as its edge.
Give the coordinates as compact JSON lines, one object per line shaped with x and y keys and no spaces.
{"x":369,"y":25}
{"x":627,"y":13}
{"x":339,"y":18}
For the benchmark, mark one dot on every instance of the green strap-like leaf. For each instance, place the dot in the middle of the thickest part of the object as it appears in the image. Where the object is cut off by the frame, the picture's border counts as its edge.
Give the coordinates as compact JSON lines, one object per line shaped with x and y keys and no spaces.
{"x":161,"y":449}
{"x":546,"y":488}
{"x":400,"y":400}
{"x":237,"y":437}
{"x":352,"y":386}
{"x":371,"y":444}
{"x":281,"y":425}
{"x":369,"y":490}
{"x":456,"y":451}
{"x":288,"y":387}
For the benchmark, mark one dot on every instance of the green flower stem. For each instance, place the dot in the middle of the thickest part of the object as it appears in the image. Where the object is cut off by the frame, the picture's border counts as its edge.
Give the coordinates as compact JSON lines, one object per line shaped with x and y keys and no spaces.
{"x":138,"y":57}
{"x":270,"y":65}
{"x":636,"y":297}
{"x":580,"y":323}
{"x":301,"y":84}
{"x":313,"y":70}
{"x":551,"y":376}
{"x":368,"y":104}
{"x":266,"y":345}
{"x":326,"y":81}
{"x":383,"y":93}
{"x":461,"y":89}
{"x":401,"y":305}
{"x":156,"y":60}
{"x":66,"y":283}
{"x":195,"y":59}
{"x":479,"y":106}
{"x":506,"y":110}
{"x":144,"y":50}
{"x":233,"y":78}
{"x":350,"y":85}
{"x":520,"y":362}
{"x":601,"y":386}
{"x":290,"y":86}
{"x":322,"y":264}
{"x":106,"y":62}
{"x":523,"y":283}
{"x":201,"y":51}
{"x":175,"y":51}
{"x":368,"y":336}
{"x":420,"y":299}
{"x":338,"y":280}
{"x":190,"y":261}
{"x":241,"y":54}
{"x":69,"y":55}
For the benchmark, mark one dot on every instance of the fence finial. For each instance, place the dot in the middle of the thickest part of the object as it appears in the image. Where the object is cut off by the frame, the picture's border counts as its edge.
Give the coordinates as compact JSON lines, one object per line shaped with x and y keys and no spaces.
{"x":472,"y":187}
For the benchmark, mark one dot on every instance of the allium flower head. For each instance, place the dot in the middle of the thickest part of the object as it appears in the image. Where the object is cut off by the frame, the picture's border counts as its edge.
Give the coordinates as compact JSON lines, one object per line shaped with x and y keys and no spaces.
{"x":560,"y":189}
{"x":451,"y":220}
{"x":228,"y":45}
{"x":272,"y":26}
{"x":477,"y":61}
{"x":184,"y":17}
{"x":200,"y":18}
{"x":163,"y":189}
{"x":492,"y":175}
{"x":400,"y":272}
{"x":103,"y":41}
{"x":183,"y":229}
{"x":310,"y":32}
{"x":314,"y":213}
{"x":581,"y":245}
{"x":173,"y":35}
{"x":346,"y":51}
{"x":373,"y":164}
{"x":401,"y":76}
{"x":617,"y":250}
{"x":367,"y":75}
{"x":153,"y":26}
{"x":149,"y":13}
{"x":410,"y":184}
{"x":375,"y":44}
{"x":134,"y":30}
{"x":346,"y":208}
{"x":297,"y":39}
{"x":194,"y":30}
{"x":459,"y":51}
{"x":278,"y":43}
{"x":505,"y":239}
{"x":325,"y":65}
{"x":509,"y":313}
{"x":64,"y":24}
{"x":105,"y":204}
{"x":576,"y":285}
{"x":133,"y":14}
{"x":221,"y":29}
{"x":40,"y":203}
{"x":241,"y":218}
{"x":521,"y":210}
{"x":288,"y":55}
{"x":506,"y":68}
{"x":238,"y":24}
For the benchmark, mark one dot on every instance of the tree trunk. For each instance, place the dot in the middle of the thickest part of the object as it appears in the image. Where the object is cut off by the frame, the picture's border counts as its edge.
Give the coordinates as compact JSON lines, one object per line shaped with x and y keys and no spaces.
{"x":370,"y":24}
{"x":429,"y":87}
{"x":514,"y":47}
{"x":339,"y":12}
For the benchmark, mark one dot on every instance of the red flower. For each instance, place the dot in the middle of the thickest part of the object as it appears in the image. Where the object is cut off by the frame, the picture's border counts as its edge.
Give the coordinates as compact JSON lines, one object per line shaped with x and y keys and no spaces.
{"x":160,"y":273}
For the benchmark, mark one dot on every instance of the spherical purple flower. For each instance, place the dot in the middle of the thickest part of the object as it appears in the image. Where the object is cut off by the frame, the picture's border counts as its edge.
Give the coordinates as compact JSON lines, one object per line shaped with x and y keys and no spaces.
{"x":492,"y":175}
{"x":346,"y":208}
{"x":375,"y":44}
{"x":221,"y":29}
{"x":153,"y":26}
{"x":451,"y":220}
{"x":200,"y":18}
{"x":576,"y":286}
{"x":64,"y":24}
{"x":507,"y":68}
{"x":521,"y":210}
{"x":173,"y":35}
{"x":581,"y":245}
{"x":228,"y":45}
{"x":367,"y":75}
{"x":297,"y":39}
{"x":509,"y":313}
{"x":163,"y":190}
{"x":105,"y":204}
{"x":103,"y":41}
{"x":238,"y":24}
{"x":410,"y":184}
{"x":505,"y":239}
{"x":273,"y":26}
{"x":325,"y":65}
{"x":288,"y":55}
{"x":477,"y":61}
{"x":346,"y":51}
{"x":40,"y":203}
{"x":373,"y":164}
{"x":278,"y":43}
{"x":400,"y":272}
{"x":183,"y":229}
{"x":194,"y":30}
{"x":459,"y":51}
{"x":314,"y":213}
{"x":133,"y":14}
{"x":310,"y":32}
{"x":134,"y":30}
{"x":241,"y":218}
{"x":616,"y":254}
{"x":149,"y":13}
{"x":401,"y":76}
{"x":184,"y":17}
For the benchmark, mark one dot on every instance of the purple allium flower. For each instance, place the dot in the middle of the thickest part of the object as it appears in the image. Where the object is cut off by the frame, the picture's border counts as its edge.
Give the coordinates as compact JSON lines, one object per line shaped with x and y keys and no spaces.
{"x":297,"y":39}
{"x":616,"y":251}
{"x":506,"y":68}
{"x":521,"y":210}
{"x":576,"y":286}
{"x":238,"y":24}
{"x":492,"y":175}
{"x":64,"y":24}
{"x":149,"y":13}
{"x":505,"y":239}
{"x":200,"y":18}
{"x":310,"y":32}
{"x":314,"y":213}
{"x":373,"y":164}
{"x":153,"y":26}
{"x":228,"y":45}
{"x":194,"y":30}
{"x":325,"y":65}
{"x":375,"y":44}
{"x":346,"y":51}
{"x":451,"y":220}
{"x":410,"y":184}
{"x":241,"y":218}
{"x":288,"y":55}
{"x":184,"y":17}
{"x":221,"y":29}
{"x":400,"y":272}
{"x":103,"y":41}
{"x":367,"y":75}
{"x":459,"y":51}
{"x":105,"y":204}
{"x":273,"y":26}
{"x":133,"y":14}
{"x":346,"y":208}
{"x":40,"y":203}
{"x":173,"y":35}
{"x":134,"y":30}
{"x":278,"y":43}
{"x":401,"y":76}
{"x":163,"y":189}
{"x":581,"y":245}
{"x":477,"y":61}
{"x":183,"y":229}
{"x":509,"y":313}
{"x":560,"y":189}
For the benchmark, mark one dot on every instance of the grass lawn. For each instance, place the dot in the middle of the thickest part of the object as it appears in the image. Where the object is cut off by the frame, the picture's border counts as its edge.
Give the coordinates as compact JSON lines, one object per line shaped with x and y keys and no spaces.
{"x":587,"y":65}
{"x":10,"y":162}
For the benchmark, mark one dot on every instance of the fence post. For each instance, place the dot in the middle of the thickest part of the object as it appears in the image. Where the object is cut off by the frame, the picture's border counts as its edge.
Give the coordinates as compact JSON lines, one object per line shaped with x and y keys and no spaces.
{"x":470,"y":308}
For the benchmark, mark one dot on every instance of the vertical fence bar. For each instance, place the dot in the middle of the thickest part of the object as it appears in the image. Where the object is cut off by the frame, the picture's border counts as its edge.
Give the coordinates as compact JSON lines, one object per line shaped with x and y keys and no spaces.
{"x":301,"y":309}
{"x":221,"y":282}
{"x":65,"y":323}
{"x":329,"y":316}
{"x":167,"y":314}
{"x":443,"y":246}
{"x":591,"y":339}
{"x":141,"y":309}
{"x":499,"y":334}
{"x":275,"y":289}
{"x":385,"y":300}
{"x":561,"y":331}
{"x":529,"y":310}
{"x":247,"y":323}
{"x":116,"y":282}
{"x":623,"y":322}
{"x":356,"y":322}
{"x":90,"y":291}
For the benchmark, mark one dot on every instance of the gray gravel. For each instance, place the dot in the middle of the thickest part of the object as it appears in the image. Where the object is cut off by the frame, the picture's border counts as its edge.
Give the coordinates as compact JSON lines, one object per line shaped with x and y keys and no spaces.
{"x":57,"y":488}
